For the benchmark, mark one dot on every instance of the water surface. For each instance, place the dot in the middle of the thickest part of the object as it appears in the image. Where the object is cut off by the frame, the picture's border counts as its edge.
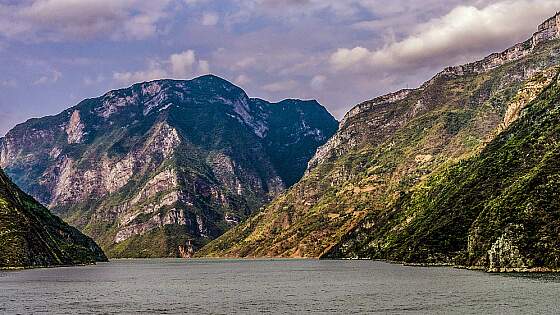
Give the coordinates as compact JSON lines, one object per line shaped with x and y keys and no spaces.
{"x":272,"y":286}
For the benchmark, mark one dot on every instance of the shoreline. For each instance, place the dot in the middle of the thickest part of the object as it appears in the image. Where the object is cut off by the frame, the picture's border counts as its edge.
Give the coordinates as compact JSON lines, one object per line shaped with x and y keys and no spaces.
{"x":503,"y":270}
{"x":20,"y":268}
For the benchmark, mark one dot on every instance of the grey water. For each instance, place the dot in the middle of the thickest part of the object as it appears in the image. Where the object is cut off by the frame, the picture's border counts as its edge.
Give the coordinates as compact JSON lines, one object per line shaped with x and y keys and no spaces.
{"x":170,"y":286}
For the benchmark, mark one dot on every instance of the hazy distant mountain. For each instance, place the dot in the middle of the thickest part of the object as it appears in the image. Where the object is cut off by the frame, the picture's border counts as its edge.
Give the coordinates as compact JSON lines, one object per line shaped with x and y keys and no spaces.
{"x":387,"y":184}
{"x":162,"y":167}
{"x":30,"y":236}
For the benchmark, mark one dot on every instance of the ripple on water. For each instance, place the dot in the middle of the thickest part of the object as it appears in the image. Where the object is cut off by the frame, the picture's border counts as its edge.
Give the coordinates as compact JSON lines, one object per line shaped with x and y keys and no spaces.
{"x":172,"y":286}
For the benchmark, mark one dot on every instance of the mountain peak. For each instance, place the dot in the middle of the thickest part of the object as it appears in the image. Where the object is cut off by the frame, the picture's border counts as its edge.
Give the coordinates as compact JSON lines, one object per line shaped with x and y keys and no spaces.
{"x":215,"y":84}
{"x":153,"y":87}
{"x":548,"y":30}
{"x":190,"y":156}
{"x":210,"y":78}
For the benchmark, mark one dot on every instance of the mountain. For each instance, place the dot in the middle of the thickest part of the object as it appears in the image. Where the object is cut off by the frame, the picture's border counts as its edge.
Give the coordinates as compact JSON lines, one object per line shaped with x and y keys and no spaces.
{"x":498,"y":210}
{"x":160,"y":168}
{"x":30,"y":236}
{"x":388,"y":148}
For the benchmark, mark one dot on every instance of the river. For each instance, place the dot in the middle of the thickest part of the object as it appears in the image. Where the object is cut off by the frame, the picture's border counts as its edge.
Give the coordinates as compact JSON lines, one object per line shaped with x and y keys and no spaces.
{"x":170,"y":286}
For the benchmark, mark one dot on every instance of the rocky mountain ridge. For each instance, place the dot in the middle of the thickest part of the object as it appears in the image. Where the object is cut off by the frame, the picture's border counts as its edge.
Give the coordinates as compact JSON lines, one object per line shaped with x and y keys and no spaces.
{"x":549,"y":30}
{"x":162,"y":167}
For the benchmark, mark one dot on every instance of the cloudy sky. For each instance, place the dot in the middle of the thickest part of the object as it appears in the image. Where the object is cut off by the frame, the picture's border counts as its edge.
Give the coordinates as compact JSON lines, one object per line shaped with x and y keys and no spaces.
{"x":54,"y":53}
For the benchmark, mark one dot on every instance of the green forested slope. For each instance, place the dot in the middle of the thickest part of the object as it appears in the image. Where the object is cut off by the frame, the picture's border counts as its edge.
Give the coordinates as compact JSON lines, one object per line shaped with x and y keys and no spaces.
{"x":30,"y":236}
{"x":498,"y":210}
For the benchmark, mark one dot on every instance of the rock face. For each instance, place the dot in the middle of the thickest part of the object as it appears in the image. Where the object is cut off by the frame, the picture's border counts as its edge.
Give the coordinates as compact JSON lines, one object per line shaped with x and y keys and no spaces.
{"x":30,"y":236}
{"x":160,"y":168}
{"x":356,"y":194}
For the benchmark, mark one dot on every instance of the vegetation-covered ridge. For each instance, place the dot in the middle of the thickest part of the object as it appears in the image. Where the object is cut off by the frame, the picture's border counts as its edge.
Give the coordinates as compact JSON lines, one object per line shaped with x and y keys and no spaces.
{"x":388,"y":147}
{"x":498,"y":210}
{"x":30,"y":236}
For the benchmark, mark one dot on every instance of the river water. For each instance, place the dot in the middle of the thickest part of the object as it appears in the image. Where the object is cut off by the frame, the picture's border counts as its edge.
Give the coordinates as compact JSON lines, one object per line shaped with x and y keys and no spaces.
{"x":169,"y":286}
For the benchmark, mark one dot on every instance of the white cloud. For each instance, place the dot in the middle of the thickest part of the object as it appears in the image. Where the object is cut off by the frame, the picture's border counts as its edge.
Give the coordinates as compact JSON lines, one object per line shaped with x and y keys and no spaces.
{"x":95,"y":80}
{"x":280,"y":86}
{"x":194,"y":2}
{"x":463,"y":33}
{"x":8,"y":83}
{"x":42,"y":80}
{"x":52,"y":77}
{"x":56,"y":20}
{"x":245,"y":63}
{"x":154,"y":72}
{"x":182,"y":65}
{"x":345,"y":58}
{"x":242,"y":79}
{"x":209,"y":19}
{"x":318,"y":82}
{"x":343,"y":10}
{"x":286,"y":8}
{"x":203,"y":67}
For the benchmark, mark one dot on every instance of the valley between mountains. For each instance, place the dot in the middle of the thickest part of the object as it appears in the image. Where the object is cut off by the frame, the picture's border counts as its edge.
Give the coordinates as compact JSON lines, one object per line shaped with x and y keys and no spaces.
{"x":463,"y":170}
{"x":458,"y":171}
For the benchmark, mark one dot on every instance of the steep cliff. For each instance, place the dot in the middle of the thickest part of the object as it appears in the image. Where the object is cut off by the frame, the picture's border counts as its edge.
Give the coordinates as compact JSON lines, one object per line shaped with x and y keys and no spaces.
{"x":385,"y":148}
{"x":30,"y":236}
{"x":162,"y":167}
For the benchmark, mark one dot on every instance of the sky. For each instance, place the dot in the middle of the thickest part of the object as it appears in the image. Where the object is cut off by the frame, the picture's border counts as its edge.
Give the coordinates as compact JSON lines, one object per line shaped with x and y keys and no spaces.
{"x":54,"y":53}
